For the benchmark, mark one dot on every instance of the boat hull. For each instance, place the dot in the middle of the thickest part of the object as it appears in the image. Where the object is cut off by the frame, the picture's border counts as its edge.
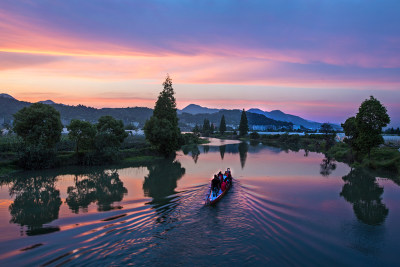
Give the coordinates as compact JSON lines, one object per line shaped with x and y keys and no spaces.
{"x":211,"y":200}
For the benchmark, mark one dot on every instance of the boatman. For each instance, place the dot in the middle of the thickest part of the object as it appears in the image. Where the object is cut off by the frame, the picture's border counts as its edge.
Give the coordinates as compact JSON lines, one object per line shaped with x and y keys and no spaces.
{"x":215,"y":184}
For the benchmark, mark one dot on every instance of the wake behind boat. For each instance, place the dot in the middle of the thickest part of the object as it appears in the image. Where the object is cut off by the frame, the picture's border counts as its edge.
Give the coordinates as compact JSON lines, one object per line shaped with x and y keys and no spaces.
{"x":220,"y":185}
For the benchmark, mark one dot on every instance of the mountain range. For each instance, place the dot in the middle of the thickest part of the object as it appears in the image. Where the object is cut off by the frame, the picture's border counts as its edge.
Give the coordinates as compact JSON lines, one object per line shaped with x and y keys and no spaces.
{"x":188,"y":116}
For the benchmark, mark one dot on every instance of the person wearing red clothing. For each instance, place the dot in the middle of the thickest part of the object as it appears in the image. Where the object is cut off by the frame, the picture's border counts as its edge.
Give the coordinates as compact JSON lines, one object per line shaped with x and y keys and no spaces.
{"x":223,"y":186}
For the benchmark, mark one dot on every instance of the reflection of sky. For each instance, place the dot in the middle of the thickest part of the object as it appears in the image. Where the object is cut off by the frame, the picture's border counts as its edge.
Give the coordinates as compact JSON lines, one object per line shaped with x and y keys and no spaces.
{"x":317,"y":59}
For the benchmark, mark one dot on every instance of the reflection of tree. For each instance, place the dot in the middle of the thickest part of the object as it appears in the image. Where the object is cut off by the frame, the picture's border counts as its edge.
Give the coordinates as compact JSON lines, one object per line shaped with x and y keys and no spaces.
{"x":206,"y":149}
{"x":362,"y":190}
{"x":222,"y":151}
{"x":103,"y":187}
{"x":36,"y":202}
{"x":327,"y":166}
{"x":193,"y":150}
{"x":195,"y":153}
{"x":162,"y":181}
{"x":243,"y":148}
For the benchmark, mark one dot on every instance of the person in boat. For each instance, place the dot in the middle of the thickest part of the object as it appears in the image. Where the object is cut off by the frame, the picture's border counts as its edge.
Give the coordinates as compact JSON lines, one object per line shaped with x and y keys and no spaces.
{"x":221,"y":176}
{"x":229,"y":178}
{"x":223,"y":186}
{"x":215,"y":185}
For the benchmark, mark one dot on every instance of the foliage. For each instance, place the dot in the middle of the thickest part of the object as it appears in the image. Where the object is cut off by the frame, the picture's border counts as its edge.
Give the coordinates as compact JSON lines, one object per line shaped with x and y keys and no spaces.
{"x":162,"y":134}
{"x":38,"y":124}
{"x":36,"y":157}
{"x":243,"y":125}
{"x":254,"y":135}
{"x":222,"y":125}
{"x":109,"y":137}
{"x":326,"y":128}
{"x":206,"y":127}
{"x":189,"y":139}
{"x":351,"y":132}
{"x":371,"y":118}
{"x":196,"y":129}
{"x":83,"y":133}
{"x":162,"y":129}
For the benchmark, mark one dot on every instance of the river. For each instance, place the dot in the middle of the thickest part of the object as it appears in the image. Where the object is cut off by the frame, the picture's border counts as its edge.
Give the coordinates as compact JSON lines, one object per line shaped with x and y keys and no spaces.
{"x":285,"y":208}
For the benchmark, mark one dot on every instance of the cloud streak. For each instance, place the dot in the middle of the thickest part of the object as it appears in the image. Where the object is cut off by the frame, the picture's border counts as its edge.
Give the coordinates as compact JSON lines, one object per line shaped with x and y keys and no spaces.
{"x":311,"y":46}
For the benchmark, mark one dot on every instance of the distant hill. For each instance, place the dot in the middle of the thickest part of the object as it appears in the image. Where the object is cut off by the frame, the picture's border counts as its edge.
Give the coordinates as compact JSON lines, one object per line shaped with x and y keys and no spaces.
{"x":9,"y":106}
{"x":232,"y":117}
{"x":192,"y":114}
{"x":196,"y":109}
{"x":276,"y":115}
{"x":279,"y":115}
{"x":48,"y":102}
{"x":6,"y":96}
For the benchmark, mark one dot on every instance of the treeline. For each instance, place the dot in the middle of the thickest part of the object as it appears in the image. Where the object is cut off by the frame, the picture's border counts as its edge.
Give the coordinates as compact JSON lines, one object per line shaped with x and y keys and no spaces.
{"x":39,"y":129}
{"x":232,"y":117}
{"x":363,"y":145}
{"x":8,"y":107}
{"x":392,"y":131}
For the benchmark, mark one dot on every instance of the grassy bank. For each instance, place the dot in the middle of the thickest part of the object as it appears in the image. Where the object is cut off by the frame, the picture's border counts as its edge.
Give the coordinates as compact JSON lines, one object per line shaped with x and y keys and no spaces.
{"x":383,"y":159}
{"x":134,"y":150}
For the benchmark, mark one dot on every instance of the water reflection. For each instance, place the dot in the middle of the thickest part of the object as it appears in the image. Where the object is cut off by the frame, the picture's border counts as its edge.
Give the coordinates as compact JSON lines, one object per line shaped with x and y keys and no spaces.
{"x":362,"y":190}
{"x":222,"y":150}
{"x":327,"y":166}
{"x":105,"y":187}
{"x":193,"y":150}
{"x":37,"y":202}
{"x":243,"y":148}
{"x":161,"y":181}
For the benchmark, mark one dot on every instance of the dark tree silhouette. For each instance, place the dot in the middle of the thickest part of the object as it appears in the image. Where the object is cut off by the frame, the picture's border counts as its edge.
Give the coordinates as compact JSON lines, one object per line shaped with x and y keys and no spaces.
{"x":162,"y":129}
{"x":362,"y":190}
{"x":222,"y":151}
{"x":36,"y":202}
{"x":105,"y":188}
{"x":327,"y":166}
{"x":243,"y":125}
{"x":243,"y":148}
{"x":161,"y":181}
{"x":222,"y":125}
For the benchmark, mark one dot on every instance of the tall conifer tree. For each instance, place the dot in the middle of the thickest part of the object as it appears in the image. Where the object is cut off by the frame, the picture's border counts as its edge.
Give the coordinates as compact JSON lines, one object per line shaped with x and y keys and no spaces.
{"x":162,"y":129}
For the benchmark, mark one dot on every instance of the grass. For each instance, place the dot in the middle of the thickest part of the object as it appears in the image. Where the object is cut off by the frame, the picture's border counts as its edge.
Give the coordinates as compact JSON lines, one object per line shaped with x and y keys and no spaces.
{"x":7,"y":168}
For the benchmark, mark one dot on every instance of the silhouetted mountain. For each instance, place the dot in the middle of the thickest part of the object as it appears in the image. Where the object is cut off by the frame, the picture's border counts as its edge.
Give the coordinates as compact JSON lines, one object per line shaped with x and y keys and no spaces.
{"x":6,"y":96}
{"x":232,"y":117}
{"x":281,"y":116}
{"x":296,"y":120}
{"x":196,"y":109}
{"x":190,"y":115}
{"x":9,"y":106}
{"x":48,"y":102}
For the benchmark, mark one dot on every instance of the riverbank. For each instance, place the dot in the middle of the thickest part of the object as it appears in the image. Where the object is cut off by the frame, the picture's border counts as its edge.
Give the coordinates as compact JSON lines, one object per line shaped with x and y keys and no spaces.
{"x":134,"y":150}
{"x":384,"y":159}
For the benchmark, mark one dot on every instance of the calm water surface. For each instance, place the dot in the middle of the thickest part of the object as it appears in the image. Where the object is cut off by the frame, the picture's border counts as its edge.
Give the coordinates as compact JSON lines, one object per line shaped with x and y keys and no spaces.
{"x":285,"y":208}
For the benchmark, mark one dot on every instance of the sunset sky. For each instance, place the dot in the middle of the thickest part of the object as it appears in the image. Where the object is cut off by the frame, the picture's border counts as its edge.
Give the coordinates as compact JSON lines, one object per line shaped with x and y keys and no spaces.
{"x":318,"y":59}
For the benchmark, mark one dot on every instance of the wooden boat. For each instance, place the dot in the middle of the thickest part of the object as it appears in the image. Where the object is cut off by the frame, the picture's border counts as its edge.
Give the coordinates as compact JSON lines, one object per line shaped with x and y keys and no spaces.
{"x":211,"y":200}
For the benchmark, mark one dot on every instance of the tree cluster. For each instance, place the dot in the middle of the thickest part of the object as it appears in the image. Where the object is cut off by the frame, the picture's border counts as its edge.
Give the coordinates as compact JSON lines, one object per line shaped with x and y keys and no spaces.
{"x":40,"y":127}
{"x":363,"y":132}
{"x":393,"y":131}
